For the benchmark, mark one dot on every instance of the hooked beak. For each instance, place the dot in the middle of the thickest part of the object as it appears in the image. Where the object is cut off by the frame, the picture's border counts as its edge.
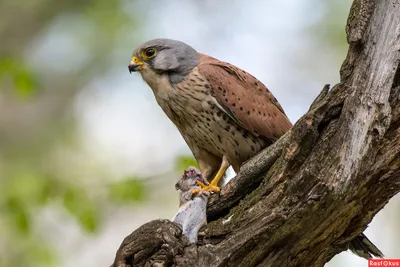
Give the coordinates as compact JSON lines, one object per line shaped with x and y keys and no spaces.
{"x":135,"y":65}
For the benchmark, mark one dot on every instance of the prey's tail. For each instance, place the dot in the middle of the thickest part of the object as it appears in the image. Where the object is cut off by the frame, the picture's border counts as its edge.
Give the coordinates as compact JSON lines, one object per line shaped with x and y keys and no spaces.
{"x":363,"y":247}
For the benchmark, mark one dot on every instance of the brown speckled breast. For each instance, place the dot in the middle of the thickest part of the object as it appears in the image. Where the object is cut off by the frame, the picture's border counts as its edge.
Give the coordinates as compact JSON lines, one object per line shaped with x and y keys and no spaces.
{"x":200,"y":120}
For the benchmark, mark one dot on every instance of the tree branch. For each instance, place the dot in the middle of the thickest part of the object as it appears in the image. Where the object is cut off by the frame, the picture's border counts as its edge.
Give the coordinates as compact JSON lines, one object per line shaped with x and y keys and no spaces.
{"x":303,"y":199}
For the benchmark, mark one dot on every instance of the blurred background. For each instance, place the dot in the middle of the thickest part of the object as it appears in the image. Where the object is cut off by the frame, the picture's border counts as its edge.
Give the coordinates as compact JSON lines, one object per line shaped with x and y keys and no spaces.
{"x":86,"y":154}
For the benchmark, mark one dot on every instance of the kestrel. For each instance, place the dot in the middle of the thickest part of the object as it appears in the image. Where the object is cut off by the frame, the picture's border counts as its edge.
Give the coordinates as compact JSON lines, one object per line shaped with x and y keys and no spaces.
{"x":224,"y":114}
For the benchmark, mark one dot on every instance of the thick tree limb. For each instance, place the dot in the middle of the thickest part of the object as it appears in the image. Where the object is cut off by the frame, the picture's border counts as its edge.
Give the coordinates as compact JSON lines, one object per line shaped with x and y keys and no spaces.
{"x":300,"y":201}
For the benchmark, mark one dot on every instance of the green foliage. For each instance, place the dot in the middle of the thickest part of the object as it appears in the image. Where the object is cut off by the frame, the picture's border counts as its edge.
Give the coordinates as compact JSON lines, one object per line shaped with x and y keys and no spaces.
{"x":184,"y":162}
{"x":21,"y":194}
{"x":82,"y":208}
{"x":25,"y":191}
{"x":127,"y":190}
{"x":30,"y":180}
{"x":24,"y":81}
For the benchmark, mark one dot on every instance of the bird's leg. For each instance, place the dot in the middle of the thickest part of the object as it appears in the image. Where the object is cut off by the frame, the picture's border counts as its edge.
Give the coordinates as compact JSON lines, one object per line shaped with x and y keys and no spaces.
{"x":213,"y":186}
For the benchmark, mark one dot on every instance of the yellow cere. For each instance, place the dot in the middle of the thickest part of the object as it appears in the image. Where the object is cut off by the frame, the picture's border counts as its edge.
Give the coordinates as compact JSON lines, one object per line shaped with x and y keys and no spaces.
{"x":135,"y":60}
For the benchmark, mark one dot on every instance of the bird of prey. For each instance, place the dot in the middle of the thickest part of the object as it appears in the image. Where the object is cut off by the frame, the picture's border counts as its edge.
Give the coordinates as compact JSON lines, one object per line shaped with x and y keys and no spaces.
{"x":224,"y":114}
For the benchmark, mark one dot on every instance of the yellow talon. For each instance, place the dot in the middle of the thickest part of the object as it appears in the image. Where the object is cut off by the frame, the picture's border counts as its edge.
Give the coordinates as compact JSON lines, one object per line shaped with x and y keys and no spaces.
{"x":201,"y":184}
{"x":213,"y":186}
{"x":195,"y":192}
{"x":210,"y":188}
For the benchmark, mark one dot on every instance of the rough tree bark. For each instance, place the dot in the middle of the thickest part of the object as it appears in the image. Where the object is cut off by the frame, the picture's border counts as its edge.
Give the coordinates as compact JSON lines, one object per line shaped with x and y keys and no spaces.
{"x":300,"y":201}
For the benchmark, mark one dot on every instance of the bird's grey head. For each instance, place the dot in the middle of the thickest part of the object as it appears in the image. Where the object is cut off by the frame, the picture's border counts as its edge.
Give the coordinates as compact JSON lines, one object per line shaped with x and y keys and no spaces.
{"x":164,"y":56}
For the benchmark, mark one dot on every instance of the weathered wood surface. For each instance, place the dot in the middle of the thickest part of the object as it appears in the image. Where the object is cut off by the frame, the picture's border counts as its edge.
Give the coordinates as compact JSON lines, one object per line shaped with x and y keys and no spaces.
{"x":300,"y":201}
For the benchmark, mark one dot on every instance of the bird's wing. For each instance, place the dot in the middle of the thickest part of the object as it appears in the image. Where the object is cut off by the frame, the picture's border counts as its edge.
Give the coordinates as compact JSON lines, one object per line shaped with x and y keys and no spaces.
{"x":245,"y":99}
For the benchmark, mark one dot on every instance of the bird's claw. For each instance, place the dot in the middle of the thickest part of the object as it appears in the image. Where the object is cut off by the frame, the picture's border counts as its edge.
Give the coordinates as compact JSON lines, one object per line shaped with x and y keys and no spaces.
{"x":210,"y":187}
{"x":201,"y":183}
{"x":200,"y":192}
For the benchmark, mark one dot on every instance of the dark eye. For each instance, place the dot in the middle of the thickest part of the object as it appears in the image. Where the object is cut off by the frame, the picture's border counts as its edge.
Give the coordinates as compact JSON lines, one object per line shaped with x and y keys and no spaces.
{"x":150,"y":52}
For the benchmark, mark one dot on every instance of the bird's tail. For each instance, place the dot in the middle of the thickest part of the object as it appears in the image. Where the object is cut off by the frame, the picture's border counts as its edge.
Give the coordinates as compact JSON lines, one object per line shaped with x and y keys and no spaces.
{"x":363,"y":247}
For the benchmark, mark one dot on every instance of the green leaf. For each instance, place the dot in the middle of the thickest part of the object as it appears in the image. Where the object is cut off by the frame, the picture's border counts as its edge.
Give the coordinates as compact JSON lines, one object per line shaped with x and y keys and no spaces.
{"x":82,"y":208}
{"x":18,"y":216}
{"x":24,"y":80}
{"x":127,"y":190}
{"x":25,"y":83}
{"x":89,"y":218}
